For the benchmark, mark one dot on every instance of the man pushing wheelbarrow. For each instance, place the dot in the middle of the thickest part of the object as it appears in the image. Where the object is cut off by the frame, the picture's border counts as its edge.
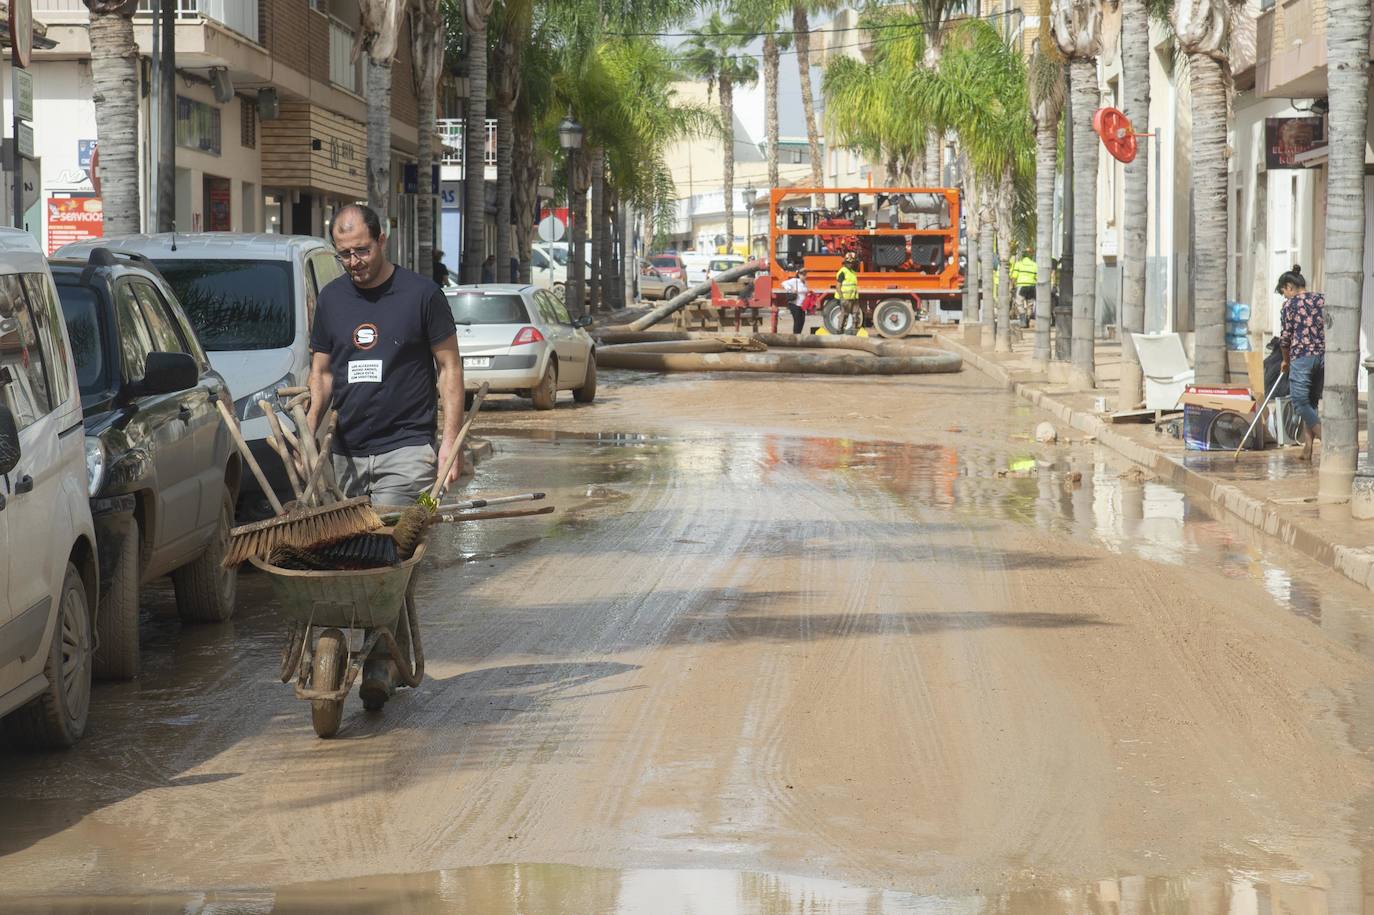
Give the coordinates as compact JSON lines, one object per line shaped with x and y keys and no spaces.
{"x":381,"y":335}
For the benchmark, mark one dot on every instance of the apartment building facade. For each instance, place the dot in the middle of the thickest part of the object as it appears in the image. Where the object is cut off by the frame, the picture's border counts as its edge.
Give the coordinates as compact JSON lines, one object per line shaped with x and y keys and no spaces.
{"x":270,"y":119}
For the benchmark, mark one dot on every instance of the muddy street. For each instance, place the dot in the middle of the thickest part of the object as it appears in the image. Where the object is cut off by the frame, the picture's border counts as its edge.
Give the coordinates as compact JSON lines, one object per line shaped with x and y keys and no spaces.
{"x":788,"y":644}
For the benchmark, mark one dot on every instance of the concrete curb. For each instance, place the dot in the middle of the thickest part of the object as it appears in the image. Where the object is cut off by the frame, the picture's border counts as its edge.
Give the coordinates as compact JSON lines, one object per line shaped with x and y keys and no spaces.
{"x":1355,"y":563}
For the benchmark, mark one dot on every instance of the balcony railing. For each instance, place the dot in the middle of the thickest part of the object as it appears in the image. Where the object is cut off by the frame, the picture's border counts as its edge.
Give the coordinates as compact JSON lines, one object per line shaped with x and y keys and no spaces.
{"x":239,"y":15}
{"x":451,"y":134}
{"x":343,"y":70}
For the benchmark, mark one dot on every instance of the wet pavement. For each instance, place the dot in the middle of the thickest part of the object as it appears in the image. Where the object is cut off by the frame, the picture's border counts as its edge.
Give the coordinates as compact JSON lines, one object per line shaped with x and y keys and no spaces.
{"x":759,"y":664}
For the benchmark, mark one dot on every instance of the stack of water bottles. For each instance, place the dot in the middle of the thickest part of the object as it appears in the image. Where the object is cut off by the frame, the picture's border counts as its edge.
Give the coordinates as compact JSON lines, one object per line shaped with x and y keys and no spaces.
{"x":1238,"y":327}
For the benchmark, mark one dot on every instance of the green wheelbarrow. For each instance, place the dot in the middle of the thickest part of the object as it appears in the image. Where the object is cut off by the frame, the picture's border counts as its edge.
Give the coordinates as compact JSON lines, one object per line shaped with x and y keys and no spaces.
{"x":323,"y":609}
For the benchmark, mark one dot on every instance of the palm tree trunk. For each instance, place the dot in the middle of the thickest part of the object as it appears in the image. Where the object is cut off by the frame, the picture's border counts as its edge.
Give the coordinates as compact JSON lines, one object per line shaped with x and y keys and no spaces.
{"x":379,"y":140}
{"x":1135,"y":63}
{"x":1347,"y":38}
{"x":474,"y":153}
{"x":426,"y":104}
{"x":505,"y":165}
{"x":972,"y":266}
{"x":576,"y":292}
{"x":727,"y":117}
{"x":1046,"y":150}
{"x":525,"y":179}
{"x":801,"y":29}
{"x":1064,"y":330}
{"x":113,"y":59}
{"x":597,"y":170}
{"x":1085,"y":96}
{"x":770,"y":94}
{"x":1004,"y":203}
{"x":1209,"y":209}
{"x":933,"y":178}
{"x":987,"y":305}
{"x":607,"y":246}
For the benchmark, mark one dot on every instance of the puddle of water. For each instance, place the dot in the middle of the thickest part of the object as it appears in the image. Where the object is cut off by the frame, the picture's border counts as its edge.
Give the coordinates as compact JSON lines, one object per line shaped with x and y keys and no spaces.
{"x":551,"y":889}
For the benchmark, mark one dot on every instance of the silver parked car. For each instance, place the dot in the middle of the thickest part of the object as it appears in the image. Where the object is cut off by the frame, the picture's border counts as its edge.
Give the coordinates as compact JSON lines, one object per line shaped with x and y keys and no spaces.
{"x":654,"y":284}
{"x":521,"y":340}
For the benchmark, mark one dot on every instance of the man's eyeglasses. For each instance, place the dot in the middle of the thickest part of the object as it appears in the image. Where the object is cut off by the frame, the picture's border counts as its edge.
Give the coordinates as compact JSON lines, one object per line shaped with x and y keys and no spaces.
{"x":350,"y":254}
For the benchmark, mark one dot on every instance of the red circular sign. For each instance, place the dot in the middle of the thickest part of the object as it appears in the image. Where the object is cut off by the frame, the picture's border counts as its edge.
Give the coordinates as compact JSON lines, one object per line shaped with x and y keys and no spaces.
{"x":1116,"y":132}
{"x":21,"y":31}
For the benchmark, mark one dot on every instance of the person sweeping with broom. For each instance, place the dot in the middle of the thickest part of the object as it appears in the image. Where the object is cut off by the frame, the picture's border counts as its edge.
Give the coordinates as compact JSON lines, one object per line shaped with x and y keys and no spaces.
{"x":383,"y":342}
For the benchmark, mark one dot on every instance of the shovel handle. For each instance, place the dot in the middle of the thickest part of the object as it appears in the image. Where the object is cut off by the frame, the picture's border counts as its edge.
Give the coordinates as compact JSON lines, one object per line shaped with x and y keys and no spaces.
{"x":232,"y":425}
{"x":441,"y":481}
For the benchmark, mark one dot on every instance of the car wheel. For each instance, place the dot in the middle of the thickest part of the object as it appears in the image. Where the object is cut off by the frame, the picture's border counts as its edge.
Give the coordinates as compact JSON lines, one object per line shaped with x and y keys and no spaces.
{"x":670,"y":293}
{"x":57,"y":718}
{"x":561,"y":291}
{"x":546,"y":392}
{"x":327,"y":673}
{"x":116,"y":620}
{"x":587,"y":393}
{"x":206,"y":590}
{"x":893,"y":318}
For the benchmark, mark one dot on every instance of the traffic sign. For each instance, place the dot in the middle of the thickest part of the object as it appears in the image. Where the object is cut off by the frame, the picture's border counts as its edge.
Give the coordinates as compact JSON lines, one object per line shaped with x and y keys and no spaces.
{"x":25,"y":134}
{"x":32,"y":182}
{"x":550,"y":228}
{"x":23,"y":94}
{"x":21,"y":31}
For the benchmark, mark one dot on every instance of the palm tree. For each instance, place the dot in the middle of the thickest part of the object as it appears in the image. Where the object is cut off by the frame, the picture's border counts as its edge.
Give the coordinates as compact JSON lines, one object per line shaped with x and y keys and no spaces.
{"x":1202,"y":29}
{"x":712,"y":54}
{"x":475,"y":16}
{"x":513,"y":18}
{"x":427,"y":48}
{"x":760,"y":17}
{"x":934,"y":14}
{"x":1347,"y":39}
{"x":1047,"y":104}
{"x":378,"y":37}
{"x":114,"y":71}
{"x":1078,"y":32}
{"x":1135,"y":67}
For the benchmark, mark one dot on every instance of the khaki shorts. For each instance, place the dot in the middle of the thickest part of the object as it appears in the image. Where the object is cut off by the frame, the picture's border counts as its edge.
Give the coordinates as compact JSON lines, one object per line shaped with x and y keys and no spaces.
{"x":393,"y":479}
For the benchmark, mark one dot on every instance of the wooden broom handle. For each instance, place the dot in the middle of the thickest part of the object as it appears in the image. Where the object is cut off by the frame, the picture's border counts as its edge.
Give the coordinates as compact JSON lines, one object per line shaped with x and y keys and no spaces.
{"x":233,"y":426}
{"x":441,"y":481}
{"x":278,"y":443}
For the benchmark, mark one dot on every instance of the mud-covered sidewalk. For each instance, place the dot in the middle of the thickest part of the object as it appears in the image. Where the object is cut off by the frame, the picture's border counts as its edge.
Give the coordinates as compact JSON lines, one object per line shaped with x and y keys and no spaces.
{"x":1272,"y":489}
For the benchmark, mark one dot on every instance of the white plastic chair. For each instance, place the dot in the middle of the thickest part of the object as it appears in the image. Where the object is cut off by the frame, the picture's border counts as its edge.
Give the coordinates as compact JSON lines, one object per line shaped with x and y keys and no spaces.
{"x":1166,"y":369}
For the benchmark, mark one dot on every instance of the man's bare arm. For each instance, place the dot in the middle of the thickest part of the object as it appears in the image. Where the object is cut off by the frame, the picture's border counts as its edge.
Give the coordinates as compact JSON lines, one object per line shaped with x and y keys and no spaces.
{"x":451,"y":395}
{"x":321,"y":388}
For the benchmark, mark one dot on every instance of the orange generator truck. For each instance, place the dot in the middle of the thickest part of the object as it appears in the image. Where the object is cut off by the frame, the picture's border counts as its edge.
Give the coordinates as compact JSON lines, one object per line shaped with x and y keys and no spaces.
{"x":907,"y":239}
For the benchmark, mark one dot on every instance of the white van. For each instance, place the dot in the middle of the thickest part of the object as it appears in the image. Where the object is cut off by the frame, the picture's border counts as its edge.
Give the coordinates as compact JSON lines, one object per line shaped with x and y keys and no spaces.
{"x":49,"y":576}
{"x":251,"y":299}
{"x":696,"y":263}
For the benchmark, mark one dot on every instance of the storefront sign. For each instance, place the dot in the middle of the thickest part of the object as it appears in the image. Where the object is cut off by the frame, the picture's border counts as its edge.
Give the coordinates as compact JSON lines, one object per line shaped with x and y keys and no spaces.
{"x":411,"y":185}
{"x":74,"y":219}
{"x":84,"y":150}
{"x":1285,"y":139}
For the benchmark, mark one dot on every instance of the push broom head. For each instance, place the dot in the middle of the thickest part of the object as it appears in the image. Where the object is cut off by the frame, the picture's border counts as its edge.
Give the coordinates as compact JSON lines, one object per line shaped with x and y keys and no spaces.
{"x":301,"y":528}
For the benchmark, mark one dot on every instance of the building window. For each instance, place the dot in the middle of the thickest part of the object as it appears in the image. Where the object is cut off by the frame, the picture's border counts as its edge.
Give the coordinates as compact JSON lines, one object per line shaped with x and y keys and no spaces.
{"x":796,"y":157}
{"x":198,"y":125}
{"x":248,"y":122}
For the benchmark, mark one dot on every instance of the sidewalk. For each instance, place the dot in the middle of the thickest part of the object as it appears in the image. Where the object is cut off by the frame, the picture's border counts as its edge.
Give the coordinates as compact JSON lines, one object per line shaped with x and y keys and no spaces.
{"x":1271,"y":490}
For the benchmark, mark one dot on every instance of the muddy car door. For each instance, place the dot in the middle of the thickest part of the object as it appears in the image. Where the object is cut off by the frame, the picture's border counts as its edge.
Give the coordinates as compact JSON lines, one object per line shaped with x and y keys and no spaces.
{"x":160,"y":429}
{"x":195,"y":407}
{"x":572,"y":347}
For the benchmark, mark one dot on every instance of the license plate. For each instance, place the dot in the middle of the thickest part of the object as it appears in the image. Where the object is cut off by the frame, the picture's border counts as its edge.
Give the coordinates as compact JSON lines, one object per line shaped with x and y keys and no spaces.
{"x":476,"y":362}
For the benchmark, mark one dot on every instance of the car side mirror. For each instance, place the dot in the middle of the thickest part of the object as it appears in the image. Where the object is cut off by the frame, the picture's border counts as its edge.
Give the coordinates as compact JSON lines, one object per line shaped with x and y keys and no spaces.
{"x":584,"y":321}
{"x":167,"y":373}
{"x":9,"y":441}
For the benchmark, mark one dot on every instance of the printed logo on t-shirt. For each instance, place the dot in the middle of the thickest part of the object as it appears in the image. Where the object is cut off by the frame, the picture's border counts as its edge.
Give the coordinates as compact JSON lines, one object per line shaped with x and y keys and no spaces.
{"x":365,"y":336}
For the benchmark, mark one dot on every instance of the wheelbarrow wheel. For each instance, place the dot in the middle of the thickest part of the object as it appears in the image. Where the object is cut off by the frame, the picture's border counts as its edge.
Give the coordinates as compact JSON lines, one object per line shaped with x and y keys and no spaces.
{"x":331,"y":662}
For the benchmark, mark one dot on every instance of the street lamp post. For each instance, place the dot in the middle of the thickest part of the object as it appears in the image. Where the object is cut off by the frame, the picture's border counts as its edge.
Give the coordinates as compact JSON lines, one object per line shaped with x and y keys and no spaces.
{"x":750,"y":195}
{"x":570,"y":139}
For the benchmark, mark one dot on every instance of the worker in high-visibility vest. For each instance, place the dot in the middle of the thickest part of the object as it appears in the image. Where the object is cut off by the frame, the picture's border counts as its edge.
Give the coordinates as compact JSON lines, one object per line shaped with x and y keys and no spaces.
{"x":1023,"y":279}
{"x":847,"y":293}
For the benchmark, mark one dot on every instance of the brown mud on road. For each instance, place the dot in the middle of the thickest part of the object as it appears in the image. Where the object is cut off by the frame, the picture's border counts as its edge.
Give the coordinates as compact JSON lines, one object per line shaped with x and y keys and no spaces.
{"x":860,"y":631}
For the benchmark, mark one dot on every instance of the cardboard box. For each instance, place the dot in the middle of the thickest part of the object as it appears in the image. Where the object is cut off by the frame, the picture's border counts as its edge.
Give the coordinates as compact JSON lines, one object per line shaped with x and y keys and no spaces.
{"x":1233,"y":399}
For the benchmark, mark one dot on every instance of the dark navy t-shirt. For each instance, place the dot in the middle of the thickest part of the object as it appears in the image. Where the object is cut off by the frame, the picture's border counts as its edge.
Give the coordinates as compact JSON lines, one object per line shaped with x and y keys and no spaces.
{"x":380,"y":344}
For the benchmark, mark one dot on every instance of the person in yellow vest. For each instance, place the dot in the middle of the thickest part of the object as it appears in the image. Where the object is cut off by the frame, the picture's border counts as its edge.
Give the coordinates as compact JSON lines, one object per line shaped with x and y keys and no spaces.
{"x":1023,"y":279}
{"x":847,"y":293}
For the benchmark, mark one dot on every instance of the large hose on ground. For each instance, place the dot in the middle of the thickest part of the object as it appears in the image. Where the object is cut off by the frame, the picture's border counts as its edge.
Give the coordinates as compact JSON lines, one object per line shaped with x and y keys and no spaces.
{"x":687,"y":295}
{"x":673,"y":353}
